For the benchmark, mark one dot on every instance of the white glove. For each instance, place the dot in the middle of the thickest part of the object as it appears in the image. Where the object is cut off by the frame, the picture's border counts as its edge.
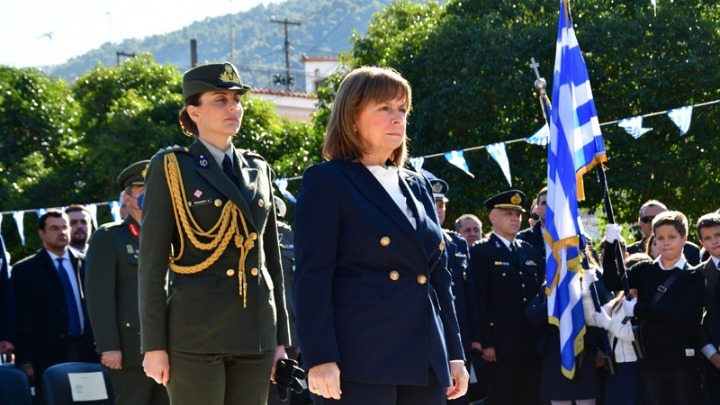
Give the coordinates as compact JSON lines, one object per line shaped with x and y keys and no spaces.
{"x":587,"y":279}
{"x":629,"y":307}
{"x":602,"y":320}
{"x":612,"y":232}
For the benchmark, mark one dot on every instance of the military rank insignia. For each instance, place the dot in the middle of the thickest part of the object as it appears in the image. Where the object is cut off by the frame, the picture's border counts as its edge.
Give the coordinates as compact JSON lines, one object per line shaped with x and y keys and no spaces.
{"x":530,"y":263}
{"x":202,"y":161}
{"x":516,"y":199}
{"x":229,"y":75}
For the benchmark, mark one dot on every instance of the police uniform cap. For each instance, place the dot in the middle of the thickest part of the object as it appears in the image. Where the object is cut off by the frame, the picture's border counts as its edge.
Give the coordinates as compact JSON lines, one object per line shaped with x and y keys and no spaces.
{"x":507,"y":200}
{"x":439,"y":189}
{"x":212,"y":77}
{"x":133,"y":175}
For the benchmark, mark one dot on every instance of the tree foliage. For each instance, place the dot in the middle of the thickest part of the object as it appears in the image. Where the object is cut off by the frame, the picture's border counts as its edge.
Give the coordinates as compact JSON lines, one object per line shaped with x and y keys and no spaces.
{"x":468,"y":64}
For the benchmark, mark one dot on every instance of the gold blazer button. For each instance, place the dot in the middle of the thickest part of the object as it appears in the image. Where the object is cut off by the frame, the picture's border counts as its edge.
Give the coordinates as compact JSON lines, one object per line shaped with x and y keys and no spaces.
{"x":230,"y":272}
{"x":218,"y":203}
{"x":261,"y":203}
{"x":422,"y":279}
{"x":442,"y":245}
{"x":394,"y":275}
{"x":253,"y":235}
{"x":385,"y":241}
{"x":254,"y":271}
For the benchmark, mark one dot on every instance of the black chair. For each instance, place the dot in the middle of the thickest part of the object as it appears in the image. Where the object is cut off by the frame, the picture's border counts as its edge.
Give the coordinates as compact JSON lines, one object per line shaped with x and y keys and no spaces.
{"x":57,"y":389}
{"x":14,"y":386}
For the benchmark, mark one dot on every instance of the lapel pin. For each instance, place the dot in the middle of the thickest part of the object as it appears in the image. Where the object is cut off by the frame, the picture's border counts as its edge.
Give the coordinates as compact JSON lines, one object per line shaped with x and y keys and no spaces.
{"x":197,"y":193}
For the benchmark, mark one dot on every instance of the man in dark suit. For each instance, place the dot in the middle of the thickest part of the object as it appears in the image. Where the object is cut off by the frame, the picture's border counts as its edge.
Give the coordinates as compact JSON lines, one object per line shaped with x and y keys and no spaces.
{"x":48,"y":288}
{"x":112,"y":299}
{"x":534,"y":234}
{"x":708,"y":228}
{"x":648,"y":211}
{"x":463,"y":284}
{"x":508,"y":273}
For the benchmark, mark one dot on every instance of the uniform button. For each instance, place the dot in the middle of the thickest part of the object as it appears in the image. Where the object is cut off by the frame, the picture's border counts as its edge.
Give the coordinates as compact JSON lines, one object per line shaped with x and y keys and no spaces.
{"x":442,"y":246}
{"x":452,"y":284}
{"x":218,"y":203}
{"x":422,"y":279}
{"x":261,"y":203}
{"x":394,"y":275}
{"x":254,"y":271}
{"x":230,"y":272}
{"x":492,"y":324}
{"x":385,"y":241}
{"x":520,"y":273}
{"x":522,"y":285}
{"x":253,"y":235}
{"x":524,"y":299}
{"x":503,"y":274}
{"x":127,"y":325}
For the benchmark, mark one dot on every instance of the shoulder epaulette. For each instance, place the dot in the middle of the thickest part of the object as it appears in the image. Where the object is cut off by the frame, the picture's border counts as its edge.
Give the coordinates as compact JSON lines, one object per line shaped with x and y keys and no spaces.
{"x":111,"y":224}
{"x":173,"y":148}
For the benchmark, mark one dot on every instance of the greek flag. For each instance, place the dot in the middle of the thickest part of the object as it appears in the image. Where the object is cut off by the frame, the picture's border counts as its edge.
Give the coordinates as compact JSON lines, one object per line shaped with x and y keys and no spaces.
{"x":681,"y":117}
{"x":540,"y":137}
{"x":576,"y":145}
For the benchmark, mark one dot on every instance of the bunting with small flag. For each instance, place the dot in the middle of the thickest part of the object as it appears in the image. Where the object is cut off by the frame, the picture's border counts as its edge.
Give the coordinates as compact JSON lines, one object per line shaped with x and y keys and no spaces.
{"x":633,"y":126}
{"x":115,"y":211}
{"x":19,"y":216}
{"x":457,"y":159}
{"x":282,"y":186}
{"x":498,"y":152}
{"x":417,"y":163}
{"x":681,"y":117}
{"x":540,"y":137}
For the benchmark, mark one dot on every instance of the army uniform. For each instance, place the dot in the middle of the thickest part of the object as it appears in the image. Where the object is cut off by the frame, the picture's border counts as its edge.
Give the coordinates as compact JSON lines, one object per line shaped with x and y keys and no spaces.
{"x":111,"y":284}
{"x":225,"y":312}
{"x":507,"y":278}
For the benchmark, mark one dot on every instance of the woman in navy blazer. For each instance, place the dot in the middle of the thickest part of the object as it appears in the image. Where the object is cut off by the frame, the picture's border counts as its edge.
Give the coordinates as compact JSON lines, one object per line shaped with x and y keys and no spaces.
{"x":375,"y":313}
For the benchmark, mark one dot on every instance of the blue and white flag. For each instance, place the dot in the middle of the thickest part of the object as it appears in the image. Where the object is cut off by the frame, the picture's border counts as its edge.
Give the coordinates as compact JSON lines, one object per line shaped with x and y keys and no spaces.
{"x":115,"y":211}
{"x":681,"y":117}
{"x":540,"y":137}
{"x":41,"y":211}
{"x":92,"y":209}
{"x":457,"y":159}
{"x":497,"y":151}
{"x":576,"y":145}
{"x":18,"y":216}
{"x":417,"y":163}
{"x":282,"y":186}
{"x":633,"y":126}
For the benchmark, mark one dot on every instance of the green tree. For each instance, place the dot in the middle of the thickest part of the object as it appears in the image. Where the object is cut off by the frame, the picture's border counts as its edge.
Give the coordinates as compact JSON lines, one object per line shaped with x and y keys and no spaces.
{"x":468,"y":64}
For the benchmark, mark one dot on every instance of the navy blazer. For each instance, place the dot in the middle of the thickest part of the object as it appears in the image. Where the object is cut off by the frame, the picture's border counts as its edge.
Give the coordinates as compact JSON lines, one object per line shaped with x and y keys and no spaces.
{"x":372,"y":293}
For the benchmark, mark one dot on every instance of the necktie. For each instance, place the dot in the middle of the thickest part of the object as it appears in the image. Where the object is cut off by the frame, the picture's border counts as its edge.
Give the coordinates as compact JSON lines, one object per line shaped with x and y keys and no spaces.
{"x":227,"y":167}
{"x":70,"y":304}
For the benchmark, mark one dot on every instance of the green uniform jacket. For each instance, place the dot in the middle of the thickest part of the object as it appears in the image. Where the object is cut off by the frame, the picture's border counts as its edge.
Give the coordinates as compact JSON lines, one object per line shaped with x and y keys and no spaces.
{"x":111,"y":285}
{"x":203,"y":312}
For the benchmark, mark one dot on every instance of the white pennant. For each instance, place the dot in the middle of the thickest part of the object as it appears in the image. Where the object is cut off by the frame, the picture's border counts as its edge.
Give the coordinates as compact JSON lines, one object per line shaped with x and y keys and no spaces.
{"x":282,"y":186}
{"x":633,"y":126}
{"x":681,"y":117}
{"x":417,"y":163}
{"x":115,"y":211}
{"x":457,"y":159}
{"x":93,"y":214}
{"x":497,"y":151}
{"x":540,"y":137}
{"x":18,"y":216}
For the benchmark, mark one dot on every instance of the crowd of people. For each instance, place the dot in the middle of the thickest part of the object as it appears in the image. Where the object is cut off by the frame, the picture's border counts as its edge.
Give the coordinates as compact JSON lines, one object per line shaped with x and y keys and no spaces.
{"x":202,"y":295}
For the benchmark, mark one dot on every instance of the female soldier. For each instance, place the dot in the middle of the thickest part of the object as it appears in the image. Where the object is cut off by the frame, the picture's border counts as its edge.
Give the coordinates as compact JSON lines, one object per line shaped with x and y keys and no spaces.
{"x":371,"y":276}
{"x":208,"y":216}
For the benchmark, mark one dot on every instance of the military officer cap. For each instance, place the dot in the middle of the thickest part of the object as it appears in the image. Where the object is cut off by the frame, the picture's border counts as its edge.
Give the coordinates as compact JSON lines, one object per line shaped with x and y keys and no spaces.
{"x":439,"y":189}
{"x":133,"y":175}
{"x":212,"y":77}
{"x":507,"y":200}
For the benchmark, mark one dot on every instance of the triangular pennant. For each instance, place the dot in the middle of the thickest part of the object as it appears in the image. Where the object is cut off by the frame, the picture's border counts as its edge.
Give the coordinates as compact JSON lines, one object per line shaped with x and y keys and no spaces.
{"x":18,"y":216}
{"x":497,"y":151}
{"x":681,"y":117}
{"x":633,"y":126}
{"x":92,"y":208}
{"x":417,"y":163}
{"x":40,"y":211}
{"x":115,"y":211}
{"x":540,"y":137}
{"x":282,"y":186}
{"x":457,"y":159}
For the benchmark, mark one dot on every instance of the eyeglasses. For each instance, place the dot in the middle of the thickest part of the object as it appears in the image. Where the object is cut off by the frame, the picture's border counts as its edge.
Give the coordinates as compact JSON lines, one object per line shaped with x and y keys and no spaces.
{"x":647,"y":219}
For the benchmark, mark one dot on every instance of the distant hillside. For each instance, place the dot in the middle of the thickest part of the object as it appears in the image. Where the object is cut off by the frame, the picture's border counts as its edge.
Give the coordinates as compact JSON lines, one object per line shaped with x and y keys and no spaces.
{"x":325,"y":30}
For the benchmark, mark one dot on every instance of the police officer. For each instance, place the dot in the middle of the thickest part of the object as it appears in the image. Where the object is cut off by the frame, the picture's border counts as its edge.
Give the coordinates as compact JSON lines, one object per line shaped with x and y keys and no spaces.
{"x":111,"y":285}
{"x":508,"y":273}
{"x":463,"y":284}
{"x":209,"y":217}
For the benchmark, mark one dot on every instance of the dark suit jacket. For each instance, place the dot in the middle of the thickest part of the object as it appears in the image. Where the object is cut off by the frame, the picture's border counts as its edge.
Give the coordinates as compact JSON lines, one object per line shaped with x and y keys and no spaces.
{"x":111,"y":283}
{"x":506,"y":284}
{"x":42,"y":313}
{"x":204,"y":312}
{"x":534,"y":236}
{"x":372,"y":293}
{"x":463,"y":288}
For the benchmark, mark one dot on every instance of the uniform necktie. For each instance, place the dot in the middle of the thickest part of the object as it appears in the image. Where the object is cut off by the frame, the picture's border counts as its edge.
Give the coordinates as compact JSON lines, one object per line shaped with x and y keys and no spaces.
{"x":70,"y":304}
{"x":228,"y":169}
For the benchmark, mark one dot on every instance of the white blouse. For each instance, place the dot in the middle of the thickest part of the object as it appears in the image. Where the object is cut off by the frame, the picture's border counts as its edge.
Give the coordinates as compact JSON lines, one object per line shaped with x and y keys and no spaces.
{"x":388,"y":176}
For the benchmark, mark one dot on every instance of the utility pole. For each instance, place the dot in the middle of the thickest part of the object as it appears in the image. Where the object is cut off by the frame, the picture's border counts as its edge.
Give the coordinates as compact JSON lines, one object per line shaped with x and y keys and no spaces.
{"x":288,"y":78}
{"x":118,"y":54}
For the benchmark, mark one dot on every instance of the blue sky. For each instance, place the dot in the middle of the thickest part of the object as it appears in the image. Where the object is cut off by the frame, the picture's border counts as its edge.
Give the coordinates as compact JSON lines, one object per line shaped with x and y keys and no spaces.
{"x":42,"y":32}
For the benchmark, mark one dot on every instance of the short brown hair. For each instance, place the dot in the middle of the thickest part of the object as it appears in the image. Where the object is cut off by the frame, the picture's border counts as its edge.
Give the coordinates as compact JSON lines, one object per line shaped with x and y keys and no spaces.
{"x":361,"y":86}
{"x":673,"y":218}
{"x":708,"y":221}
{"x":188,"y":126}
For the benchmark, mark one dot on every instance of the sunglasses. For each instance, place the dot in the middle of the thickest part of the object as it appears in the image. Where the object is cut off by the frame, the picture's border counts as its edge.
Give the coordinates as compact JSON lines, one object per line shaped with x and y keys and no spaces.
{"x":647,"y":219}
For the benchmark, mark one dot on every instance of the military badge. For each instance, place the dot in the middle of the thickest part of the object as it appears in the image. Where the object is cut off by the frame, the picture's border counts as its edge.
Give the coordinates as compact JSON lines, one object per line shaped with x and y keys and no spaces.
{"x":516,"y":199}
{"x":197,"y":193}
{"x":202,"y":161}
{"x":229,"y":75}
